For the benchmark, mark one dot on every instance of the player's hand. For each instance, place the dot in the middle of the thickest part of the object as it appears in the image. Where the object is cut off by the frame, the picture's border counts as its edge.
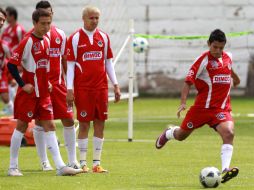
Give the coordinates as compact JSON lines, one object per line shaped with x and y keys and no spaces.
{"x":181,"y":108}
{"x":70,"y":97}
{"x":117,"y":93}
{"x":50,"y":87}
{"x":28,"y":88}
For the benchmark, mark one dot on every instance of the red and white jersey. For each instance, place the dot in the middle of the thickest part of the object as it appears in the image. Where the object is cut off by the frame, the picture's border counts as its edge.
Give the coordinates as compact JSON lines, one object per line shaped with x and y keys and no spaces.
{"x":212,"y":78}
{"x":13,"y":35}
{"x":4,"y":51}
{"x":90,"y":71}
{"x":35,"y":53}
{"x":57,"y":49}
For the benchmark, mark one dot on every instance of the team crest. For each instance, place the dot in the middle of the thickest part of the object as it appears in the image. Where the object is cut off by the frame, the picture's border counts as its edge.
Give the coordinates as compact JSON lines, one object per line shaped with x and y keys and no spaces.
{"x":30,"y":114}
{"x":220,"y":116}
{"x":100,"y":44}
{"x":214,"y":64}
{"x":58,"y":41}
{"x":190,"y":125}
{"x":36,"y":46}
{"x":83,"y":114}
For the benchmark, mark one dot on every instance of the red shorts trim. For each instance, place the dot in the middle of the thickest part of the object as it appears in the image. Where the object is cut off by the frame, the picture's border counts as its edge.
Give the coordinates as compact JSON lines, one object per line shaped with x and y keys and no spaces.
{"x":27,"y":107}
{"x":58,"y":99}
{"x":197,"y":117}
{"x":91,"y":105}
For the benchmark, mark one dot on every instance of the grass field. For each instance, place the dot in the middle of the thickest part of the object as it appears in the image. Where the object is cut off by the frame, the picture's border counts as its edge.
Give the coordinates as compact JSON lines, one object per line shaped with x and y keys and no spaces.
{"x":138,"y":165}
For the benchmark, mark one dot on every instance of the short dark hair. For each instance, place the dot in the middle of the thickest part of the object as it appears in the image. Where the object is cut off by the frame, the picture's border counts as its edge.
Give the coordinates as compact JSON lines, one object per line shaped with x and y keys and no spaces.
{"x":43,"y":5}
{"x":12,"y":11}
{"x":217,"y":35}
{"x":3,"y":12}
{"x":39,"y":13}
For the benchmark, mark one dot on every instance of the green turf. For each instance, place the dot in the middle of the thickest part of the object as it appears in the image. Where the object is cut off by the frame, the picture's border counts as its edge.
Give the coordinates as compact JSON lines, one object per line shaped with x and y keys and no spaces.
{"x":138,"y":165}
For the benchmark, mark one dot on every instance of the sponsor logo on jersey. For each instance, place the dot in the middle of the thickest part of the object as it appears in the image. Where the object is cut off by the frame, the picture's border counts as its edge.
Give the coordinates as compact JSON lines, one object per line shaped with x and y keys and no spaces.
{"x":222,"y":79}
{"x":42,"y":63}
{"x":220,"y":116}
{"x":190,"y":125}
{"x":83,"y":114}
{"x":30,"y":114}
{"x":54,"y":52}
{"x":92,"y":55}
{"x":100,"y":44}
{"x":58,"y":41}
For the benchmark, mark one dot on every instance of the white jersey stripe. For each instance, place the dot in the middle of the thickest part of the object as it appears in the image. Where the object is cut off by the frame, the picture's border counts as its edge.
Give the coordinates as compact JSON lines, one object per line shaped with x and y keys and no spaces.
{"x":105,"y":39}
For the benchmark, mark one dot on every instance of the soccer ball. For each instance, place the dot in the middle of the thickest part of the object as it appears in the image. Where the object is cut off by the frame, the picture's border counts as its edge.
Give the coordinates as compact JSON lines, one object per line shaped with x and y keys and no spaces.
{"x":210,"y":177}
{"x":140,"y":45}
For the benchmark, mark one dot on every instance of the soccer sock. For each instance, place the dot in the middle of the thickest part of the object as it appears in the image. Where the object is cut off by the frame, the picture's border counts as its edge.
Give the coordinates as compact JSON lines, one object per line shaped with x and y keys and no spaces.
{"x":14,"y":148}
{"x":226,"y":155}
{"x":97,"y":149}
{"x":52,"y":144}
{"x":83,"y":146}
{"x":170,"y":132}
{"x":70,"y":143}
{"x":40,"y":142}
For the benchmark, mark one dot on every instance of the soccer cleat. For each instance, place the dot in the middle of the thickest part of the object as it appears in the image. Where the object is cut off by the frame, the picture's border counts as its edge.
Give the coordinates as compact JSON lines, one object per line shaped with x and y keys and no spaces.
{"x":14,"y":172}
{"x":228,"y":174}
{"x":85,"y":169}
{"x":99,"y":169}
{"x":66,"y":170}
{"x":162,"y":139}
{"x":46,"y":166}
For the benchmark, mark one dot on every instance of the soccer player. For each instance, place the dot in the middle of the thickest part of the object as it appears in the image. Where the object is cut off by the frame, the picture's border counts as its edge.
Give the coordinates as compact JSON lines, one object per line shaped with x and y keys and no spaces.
{"x":89,"y":61}
{"x":12,"y":35}
{"x":4,"y":53}
{"x":33,"y":100}
{"x":211,"y":74}
{"x":14,"y":32}
{"x":57,"y":57}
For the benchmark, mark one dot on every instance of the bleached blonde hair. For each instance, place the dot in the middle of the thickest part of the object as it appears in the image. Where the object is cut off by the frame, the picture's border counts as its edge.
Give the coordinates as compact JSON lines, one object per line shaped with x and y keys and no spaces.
{"x":90,"y":8}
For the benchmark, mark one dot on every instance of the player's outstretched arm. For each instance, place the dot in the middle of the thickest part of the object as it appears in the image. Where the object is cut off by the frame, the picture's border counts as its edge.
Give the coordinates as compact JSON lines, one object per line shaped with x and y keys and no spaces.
{"x":184,"y":95}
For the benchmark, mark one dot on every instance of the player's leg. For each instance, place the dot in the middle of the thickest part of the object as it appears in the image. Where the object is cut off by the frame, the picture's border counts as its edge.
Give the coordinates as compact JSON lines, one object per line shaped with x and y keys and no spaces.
{"x":51,"y":140}
{"x":16,"y":139}
{"x":226,"y":131}
{"x":69,"y":134}
{"x":40,"y":142}
{"x":83,"y":144}
{"x":98,"y":145}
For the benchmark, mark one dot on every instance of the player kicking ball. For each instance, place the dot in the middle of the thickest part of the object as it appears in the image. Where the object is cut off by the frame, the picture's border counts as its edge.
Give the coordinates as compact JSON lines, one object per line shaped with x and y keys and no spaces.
{"x":212,"y":76}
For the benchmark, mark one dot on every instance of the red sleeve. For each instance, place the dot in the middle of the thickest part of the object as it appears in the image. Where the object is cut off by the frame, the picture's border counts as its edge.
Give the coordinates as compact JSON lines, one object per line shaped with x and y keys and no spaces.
{"x":193,"y":71}
{"x":109,"y":53}
{"x":17,"y":54}
{"x":70,"y":51}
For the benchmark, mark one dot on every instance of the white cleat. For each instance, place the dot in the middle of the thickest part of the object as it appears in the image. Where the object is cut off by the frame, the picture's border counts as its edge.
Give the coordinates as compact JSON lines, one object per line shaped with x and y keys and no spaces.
{"x":66,"y":170}
{"x":14,"y":172}
{"x":46,"y":166}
